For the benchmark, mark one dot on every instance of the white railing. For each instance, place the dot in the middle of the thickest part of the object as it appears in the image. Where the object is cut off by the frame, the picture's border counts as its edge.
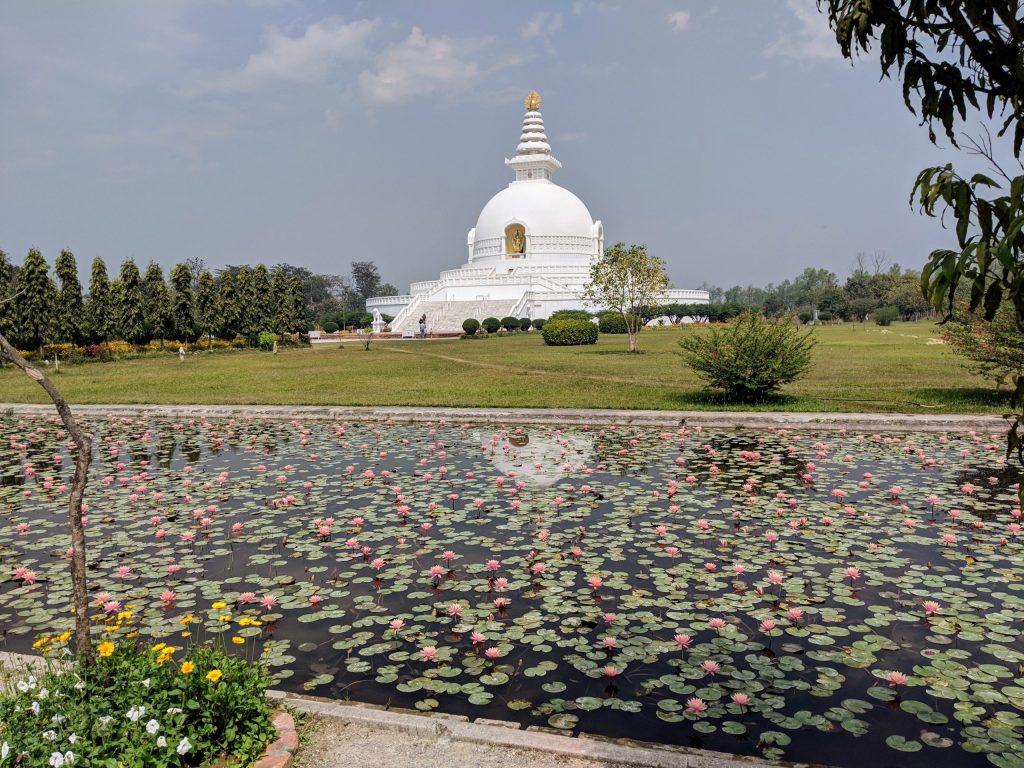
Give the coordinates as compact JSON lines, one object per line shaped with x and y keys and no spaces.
{"x":406,"y":312}
{"x":520,"y":306}
{"x":384,"y":301}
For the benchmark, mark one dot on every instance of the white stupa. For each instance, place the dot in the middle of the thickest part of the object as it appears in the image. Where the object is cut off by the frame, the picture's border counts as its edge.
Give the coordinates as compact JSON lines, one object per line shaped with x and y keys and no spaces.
{"x":529,"y":254}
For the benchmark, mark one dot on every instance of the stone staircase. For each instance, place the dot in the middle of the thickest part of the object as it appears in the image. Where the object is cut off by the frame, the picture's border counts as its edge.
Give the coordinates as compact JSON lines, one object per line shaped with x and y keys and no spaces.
{"x":447,"y":316}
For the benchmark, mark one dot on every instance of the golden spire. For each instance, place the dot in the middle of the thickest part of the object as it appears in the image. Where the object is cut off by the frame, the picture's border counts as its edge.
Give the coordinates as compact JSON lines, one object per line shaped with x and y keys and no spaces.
{"x":532,"y":101}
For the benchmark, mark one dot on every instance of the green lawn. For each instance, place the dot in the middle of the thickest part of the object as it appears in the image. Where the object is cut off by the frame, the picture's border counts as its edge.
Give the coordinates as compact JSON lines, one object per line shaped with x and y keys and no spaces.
{"x":856,"y":367}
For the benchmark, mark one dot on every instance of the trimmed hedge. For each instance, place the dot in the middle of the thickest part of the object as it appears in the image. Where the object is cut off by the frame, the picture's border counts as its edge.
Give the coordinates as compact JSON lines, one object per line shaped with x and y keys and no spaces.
{"x":491,"y":324}
{"x":574,"y":314}
{"x":470,"y":326}
{"x":569,"y":332}
{"x":611,"y":322}
{"x":524,"y":323}
{"x":510,"y":323}
{"x":539,"y":323}
{"x":330,"y":327}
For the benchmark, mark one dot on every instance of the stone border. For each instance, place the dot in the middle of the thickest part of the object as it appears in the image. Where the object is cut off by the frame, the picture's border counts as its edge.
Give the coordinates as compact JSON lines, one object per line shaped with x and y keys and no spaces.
{"x":733,"y":420}
{"x":279,"y":753}
{"x":501,"y":733}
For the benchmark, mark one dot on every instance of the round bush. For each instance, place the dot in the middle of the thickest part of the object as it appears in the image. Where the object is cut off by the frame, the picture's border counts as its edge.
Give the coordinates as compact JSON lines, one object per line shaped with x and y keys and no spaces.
{"x":539,"y":323}
{"x":825,"y":316}
{"x":569,"y":332}
{"x":330,"y":327}
{"x":575,"y":314}
{"x":885,"y":315}
{"x":806,"y":317}
{"x":611,"y":322}
{"x":524,"y":323}
{"x":491,"y":324}
{"x":510,"y":323}
{"x":470,"y":326}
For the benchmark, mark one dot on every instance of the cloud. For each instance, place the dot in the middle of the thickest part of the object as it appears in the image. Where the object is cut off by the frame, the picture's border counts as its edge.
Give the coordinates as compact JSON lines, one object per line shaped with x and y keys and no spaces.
{"x":420,"y":64}
{"x":542,"y":24}
{"x":814,"y":39}
{"x":679,"y":20}
{"x":305,"y":58}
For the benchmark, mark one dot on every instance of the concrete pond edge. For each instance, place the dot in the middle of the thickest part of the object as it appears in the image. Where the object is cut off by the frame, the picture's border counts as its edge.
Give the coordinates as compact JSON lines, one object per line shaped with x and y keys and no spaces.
{"x":731,"y":420}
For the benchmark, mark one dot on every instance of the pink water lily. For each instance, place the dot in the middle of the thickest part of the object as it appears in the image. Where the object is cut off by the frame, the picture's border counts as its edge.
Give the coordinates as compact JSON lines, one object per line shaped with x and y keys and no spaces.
{"x":695,"y":705}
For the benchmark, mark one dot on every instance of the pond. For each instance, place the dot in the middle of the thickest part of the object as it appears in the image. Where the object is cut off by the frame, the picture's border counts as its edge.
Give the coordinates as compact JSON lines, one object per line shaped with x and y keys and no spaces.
{"x":842,"y":598}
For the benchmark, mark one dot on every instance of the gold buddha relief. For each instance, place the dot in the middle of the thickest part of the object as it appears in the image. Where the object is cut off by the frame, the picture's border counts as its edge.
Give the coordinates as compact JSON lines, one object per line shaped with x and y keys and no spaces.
{"x":515,"y":239}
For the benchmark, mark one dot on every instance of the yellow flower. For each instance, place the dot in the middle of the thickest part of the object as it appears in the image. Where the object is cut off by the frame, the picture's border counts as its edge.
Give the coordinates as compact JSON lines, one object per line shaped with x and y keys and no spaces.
{"x":159,"y":647}
{"x":105,"y":649}
{"x":245,"y":621}
{"x":186,"y":634}
{"x":224,"y":617}
{"x":187,"y":667}
{"x":214,"y":675}
{"x":237,"y":640}
{"x":219,"y":605}
{"x":185,"y":620}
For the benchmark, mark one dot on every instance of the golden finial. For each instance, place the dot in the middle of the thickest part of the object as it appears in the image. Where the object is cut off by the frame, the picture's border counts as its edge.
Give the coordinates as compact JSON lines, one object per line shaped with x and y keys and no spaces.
{"x":532,"y":101}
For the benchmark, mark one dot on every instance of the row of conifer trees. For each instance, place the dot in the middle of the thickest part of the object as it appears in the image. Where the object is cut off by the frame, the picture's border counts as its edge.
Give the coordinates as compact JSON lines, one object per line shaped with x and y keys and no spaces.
{"x":37,"y":308}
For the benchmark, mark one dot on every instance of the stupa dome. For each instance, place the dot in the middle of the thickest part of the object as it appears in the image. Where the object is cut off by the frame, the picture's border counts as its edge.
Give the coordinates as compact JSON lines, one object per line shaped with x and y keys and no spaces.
{"x":543,"y":208}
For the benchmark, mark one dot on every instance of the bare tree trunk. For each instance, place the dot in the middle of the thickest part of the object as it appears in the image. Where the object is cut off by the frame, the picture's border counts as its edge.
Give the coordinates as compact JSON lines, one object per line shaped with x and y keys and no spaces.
{"x":83,"y":455}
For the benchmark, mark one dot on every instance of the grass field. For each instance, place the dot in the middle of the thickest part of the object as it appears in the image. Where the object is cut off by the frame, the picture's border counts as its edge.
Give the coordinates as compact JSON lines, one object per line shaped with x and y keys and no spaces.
{"x":857,"y":367}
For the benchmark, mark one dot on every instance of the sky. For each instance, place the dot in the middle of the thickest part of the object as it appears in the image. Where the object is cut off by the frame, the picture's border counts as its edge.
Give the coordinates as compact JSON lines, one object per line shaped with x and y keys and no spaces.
{"x":728,"y":137}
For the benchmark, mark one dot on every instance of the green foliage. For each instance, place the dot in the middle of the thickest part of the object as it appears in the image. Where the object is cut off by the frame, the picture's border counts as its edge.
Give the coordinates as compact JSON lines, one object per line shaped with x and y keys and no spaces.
{"x":570,"y":314}
{"x":229,"y":309}
{"x":330,"y":327}
{"x":183,"y":309}
{"x":611,"y":322}
{"x":6,"y":289}
{"x":130,"y":323}
{"x":206,"y":304}
{"x":266,"y":339}
{"x":281,"y":300}
{"x":538,"y":323}
{"x":995,"y":348}
{"x":524,"y":323}
{"x":510,"y":323}
{"x":885,"y":315}
{"x":470,"y":326}
{"x":261,"y":294}
{"x":156,"y":302}
{"x":491,"y":324}
{"x":69,"y":307}
{"x":366,"y":278}
{"x":298,"y":322}
{"x":750,"y":358}
{"x":133,"y":709}
{"x":569,"y":332}
{"x":34,"y":305}
{"x":246,"y":302}
{"x":98,"y":309}
{"x":629,"y":281}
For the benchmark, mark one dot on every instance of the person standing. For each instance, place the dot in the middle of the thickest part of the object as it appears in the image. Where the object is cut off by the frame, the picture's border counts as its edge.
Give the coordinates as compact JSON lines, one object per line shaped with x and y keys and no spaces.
{"x":423,"y":326}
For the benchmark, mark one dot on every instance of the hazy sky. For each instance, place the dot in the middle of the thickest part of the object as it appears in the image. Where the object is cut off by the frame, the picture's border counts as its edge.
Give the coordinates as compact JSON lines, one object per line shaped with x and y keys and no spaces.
{"x":729,"y":137}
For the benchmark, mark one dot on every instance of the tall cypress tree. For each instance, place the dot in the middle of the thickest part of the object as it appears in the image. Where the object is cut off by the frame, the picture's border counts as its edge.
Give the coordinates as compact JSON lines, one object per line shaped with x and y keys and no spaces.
{"x":282,"y":304}
{"x":98,"y":307}
{"x":6,"y":296}
{"x":206,"y":304}
{"x":156,"y":303}
{"x":263,"y":300}
{"x":35,"y":301}
{"x":183,"y":309}
{"x":69,"y":312}
{"x":128,"y":304}
{"x":229,"y":315}
{"x":299,"y":322}
{"x":246,"y":303}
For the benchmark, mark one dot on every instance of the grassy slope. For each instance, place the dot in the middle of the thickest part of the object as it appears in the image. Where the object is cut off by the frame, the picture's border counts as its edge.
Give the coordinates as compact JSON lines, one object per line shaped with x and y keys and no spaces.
{"x":856,"y":367}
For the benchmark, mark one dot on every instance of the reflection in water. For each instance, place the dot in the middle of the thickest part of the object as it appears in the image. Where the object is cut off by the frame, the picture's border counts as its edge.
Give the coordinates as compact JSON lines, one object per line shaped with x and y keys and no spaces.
{"x":536,"y":455}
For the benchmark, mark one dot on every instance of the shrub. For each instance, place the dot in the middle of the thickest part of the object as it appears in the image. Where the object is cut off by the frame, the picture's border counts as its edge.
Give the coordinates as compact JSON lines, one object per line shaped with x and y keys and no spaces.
{"x":539,"y":323}
{"x":825,"y":316}
{"x":995,"y":348}
{"x":119,"y":348}
{"x":330,"y":327}
{"x":491,"y":324}
{"x":885,"y":315}
{"x":611,"y":322}
{"x":266,"y":340}
{"x":524,"y":323}
{"x":751,"y":357}
{"x":138,"y":706}
{"x":805,"y":316}
{"x":573,"y":314}
{"x":470,"y":326}
{"x":510,"y":323}
{"x":569,"y":332}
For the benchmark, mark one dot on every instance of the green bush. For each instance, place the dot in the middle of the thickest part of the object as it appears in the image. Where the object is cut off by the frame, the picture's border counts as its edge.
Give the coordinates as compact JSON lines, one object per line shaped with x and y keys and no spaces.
{"x":885,"y":315}
{"x":266,"y":340}
{"x":570,"y":314}
{"x":470,"y":326}
{"x":825,"y":316}
{"x":140,"y":706}
{"x":330,"y":327}
{"x":510,"y":323}
{"x":524,"y":323}
{"x":750,"y":358}
{"x":539,"y":323}
{"x":491,"y":324}
{"x":805,"y":316}
{"x":569,"y":332}
{"x":611,"y":322}
{"x":995,"y":348}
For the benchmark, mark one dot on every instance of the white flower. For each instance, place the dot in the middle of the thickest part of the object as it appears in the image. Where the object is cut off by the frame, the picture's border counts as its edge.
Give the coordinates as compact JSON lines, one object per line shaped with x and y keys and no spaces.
{"x":161,"y":741}
{"x":58,"y":718}
{"x":73,"y":738}
{"x":44,"y":692}
{"x":80,"y":685}
{"x":105,"y":719}
{"x":35,"y":707}
{"x":146,"y":682}
{"x":183,"y":746}
{"x":5,"y":750}
{"x":23,"y":686}
{"x":174,"y":710}
{"x":50,"y":735}
{"x":69,"y":757}
{"x":152,"y":727}
{"x":57,"y":760}
{"x":135,"y":713}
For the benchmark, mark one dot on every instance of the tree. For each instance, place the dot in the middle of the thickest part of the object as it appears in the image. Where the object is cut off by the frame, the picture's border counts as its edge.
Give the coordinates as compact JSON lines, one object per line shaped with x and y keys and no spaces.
{"x":68,"y":312}
{"x":128,"y":304}
{"x":156,"y":301}
{"x":628,"y":281}
{"x":206,"y":304}
{"x":34,"y":302}
{"x":228,"y":309}
{"x":298,"y":322}
{"x":750,"y":358}
{"x":6,"y":291}
{"x":183,"y":316}
{"x":957,"y":57}
{"x":281,"y":312}
{"x":262,"y":300}
{"x":98,"y":309}
{"x":366,"y":278}
{"x":246,"y":303}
